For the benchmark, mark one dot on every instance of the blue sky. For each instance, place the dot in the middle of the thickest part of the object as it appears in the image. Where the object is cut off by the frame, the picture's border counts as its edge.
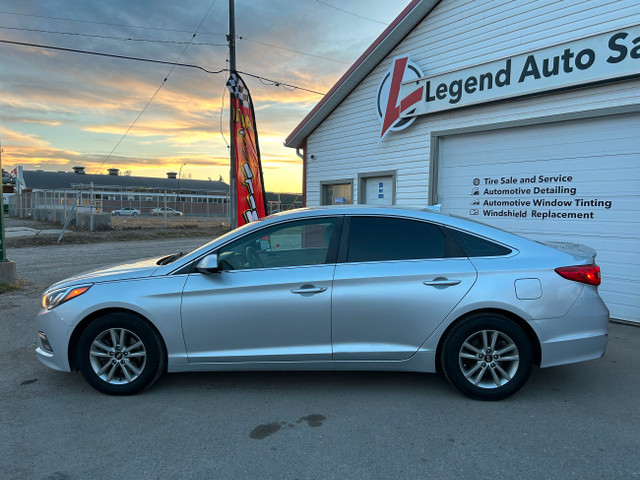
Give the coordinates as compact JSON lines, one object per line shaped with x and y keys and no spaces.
{"x":59,"y":110}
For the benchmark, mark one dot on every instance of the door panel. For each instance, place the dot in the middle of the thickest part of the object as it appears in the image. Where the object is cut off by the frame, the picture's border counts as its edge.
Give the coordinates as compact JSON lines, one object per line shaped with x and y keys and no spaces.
{"x":385,"y":311}
{"x":253,"y":315}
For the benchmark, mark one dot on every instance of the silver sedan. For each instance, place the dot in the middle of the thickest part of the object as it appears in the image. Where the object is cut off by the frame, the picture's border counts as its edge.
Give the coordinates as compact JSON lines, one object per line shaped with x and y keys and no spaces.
{"x":335,"y":288}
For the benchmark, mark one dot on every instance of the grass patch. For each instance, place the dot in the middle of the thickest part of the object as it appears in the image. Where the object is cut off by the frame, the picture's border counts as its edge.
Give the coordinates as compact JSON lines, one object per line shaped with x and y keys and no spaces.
{"x":12,"y":287}
{"x":74,"y":237}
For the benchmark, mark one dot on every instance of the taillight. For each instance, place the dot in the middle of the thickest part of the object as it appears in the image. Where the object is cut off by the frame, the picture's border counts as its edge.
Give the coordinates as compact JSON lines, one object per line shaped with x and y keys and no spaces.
{"x":589,"y":274}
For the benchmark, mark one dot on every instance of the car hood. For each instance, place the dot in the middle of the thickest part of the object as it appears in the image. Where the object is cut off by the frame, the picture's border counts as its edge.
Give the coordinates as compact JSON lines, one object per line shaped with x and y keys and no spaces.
{"x":126,"y":271}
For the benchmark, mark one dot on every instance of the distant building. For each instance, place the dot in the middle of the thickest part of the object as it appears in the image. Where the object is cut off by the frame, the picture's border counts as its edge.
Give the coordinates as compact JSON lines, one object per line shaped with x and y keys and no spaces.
{"x":112,"y":191}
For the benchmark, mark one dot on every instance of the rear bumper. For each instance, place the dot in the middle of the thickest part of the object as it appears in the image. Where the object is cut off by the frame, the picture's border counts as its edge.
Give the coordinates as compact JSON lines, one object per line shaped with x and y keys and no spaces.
{"x":579,"y":335}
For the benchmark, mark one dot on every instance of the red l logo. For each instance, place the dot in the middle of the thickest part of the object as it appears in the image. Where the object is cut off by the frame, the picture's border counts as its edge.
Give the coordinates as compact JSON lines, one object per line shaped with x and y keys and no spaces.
{"x":394,"y":108}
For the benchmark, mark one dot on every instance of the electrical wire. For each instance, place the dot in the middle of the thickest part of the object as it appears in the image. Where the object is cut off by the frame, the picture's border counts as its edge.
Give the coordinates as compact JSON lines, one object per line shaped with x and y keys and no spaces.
{"x":110,"y":37}
{"x":351,"y":13}
{"x":224,"y":91}
{"x":104,"y":23}
{"x":171,"y":42}
{"x":275,"y":83}
{"x":292,"y":50}
{"x":109,"y":55}
{"x":157,"y":90}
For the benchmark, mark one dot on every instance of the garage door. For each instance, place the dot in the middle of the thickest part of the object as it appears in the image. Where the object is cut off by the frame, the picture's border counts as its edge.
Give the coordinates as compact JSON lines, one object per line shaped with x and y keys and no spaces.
{"x":575,"y":180}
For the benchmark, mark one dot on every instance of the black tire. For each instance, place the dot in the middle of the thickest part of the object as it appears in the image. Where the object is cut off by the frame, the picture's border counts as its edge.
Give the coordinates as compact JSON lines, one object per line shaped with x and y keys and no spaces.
{"x":492,"y":373}
{"x":108,"y":368}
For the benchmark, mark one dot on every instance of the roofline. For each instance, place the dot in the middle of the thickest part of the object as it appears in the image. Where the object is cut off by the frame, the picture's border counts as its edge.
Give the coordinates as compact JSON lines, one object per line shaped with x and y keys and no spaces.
{"x":404,"y":23}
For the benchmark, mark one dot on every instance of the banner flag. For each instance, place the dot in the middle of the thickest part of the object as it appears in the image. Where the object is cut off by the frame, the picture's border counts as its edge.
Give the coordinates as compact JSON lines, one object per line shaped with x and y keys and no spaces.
{"x":249,"y":182}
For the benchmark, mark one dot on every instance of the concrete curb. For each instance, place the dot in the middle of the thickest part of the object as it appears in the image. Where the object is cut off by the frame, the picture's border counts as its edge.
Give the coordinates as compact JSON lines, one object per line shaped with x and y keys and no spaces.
{"x":8,"y":273}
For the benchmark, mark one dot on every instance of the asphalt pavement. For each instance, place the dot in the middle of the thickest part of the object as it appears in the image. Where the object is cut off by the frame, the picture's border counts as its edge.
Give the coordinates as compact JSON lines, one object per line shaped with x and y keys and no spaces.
{"x":574,"y":422}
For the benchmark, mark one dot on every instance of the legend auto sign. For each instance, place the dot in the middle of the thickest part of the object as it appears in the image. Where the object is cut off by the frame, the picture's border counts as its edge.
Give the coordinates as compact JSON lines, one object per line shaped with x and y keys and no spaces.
{"x":601,"y":58}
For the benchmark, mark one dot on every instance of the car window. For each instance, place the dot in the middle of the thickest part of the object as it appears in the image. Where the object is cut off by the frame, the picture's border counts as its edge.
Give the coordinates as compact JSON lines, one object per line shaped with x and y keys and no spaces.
{"x":478,"y":247}
{"x":296,"y":243}
{"x":378,"y":239}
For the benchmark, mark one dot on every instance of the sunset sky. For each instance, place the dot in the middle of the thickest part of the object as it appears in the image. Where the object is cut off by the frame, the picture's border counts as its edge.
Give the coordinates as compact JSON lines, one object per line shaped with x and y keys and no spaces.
{"x":59,"y":109}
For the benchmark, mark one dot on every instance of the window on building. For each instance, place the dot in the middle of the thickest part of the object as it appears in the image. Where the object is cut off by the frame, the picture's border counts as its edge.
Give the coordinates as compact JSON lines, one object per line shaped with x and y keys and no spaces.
{"x":337,"y":193}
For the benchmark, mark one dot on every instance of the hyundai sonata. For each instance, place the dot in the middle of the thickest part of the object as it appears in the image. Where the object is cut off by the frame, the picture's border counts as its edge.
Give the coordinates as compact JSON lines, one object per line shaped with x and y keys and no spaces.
{"x":335,"y":288}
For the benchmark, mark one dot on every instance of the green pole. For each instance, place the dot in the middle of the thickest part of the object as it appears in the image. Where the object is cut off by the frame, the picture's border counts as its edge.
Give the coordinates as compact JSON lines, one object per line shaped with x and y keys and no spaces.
{"x":3,"y":252}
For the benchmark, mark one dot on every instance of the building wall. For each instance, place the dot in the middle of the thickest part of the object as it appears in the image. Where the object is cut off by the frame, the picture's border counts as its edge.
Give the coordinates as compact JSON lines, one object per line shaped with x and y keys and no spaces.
{"x":455,"y":35}
{"x":462,"y":33}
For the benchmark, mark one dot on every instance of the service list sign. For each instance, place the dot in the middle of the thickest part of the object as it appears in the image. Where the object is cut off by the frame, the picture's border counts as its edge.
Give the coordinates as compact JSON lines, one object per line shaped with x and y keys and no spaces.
{"x":606,"y":57}
{"x":537,"y":196}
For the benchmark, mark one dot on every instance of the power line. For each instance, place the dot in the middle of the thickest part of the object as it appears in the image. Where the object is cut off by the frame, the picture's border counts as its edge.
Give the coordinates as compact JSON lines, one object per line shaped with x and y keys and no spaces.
{"x":105,"y":23}
{"x":111,"y":37}
{"x":275,"y":83}
{"x":291,"y":50}
{"x":109,"y":55}
{"x":351,"y":13}
{"x":171,"y":42}
{"x":224,"y":91}
{"x":158,"y":89}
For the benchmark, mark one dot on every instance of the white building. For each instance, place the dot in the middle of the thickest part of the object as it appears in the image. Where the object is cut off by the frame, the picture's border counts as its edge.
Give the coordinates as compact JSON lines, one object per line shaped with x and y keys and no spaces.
{"x":521,"y":114}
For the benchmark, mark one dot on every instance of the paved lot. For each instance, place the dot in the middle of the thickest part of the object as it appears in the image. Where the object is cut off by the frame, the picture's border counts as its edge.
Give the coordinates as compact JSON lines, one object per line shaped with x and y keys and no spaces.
{"x":574,"y":422}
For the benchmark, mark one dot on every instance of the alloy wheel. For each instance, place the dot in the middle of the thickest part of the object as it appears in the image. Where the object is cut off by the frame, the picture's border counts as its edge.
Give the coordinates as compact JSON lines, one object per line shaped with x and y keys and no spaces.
{"x":118,"y":356}
{"x":489,"y":359}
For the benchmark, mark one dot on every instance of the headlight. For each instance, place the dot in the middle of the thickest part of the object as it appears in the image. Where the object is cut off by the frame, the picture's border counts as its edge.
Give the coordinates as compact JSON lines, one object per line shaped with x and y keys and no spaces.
{"x":56,"y":297}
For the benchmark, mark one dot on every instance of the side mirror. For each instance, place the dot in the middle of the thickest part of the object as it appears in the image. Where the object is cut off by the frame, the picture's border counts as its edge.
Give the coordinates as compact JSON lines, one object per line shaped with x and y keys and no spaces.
{"x":208,"y":264}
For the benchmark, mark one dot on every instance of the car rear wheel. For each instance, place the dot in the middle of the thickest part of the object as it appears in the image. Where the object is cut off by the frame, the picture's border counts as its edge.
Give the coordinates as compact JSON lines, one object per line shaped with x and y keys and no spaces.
{"x":120,"y":354}
{"x":487,"y":357}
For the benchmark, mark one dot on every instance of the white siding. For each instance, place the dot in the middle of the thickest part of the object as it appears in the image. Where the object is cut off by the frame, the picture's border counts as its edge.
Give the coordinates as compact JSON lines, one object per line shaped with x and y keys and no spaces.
{"x":457,"y":34}
{"x":601,"y":156}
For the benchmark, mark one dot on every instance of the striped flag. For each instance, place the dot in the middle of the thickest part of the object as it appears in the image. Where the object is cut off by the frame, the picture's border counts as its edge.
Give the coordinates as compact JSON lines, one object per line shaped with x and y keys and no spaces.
{"x":249,"y":181}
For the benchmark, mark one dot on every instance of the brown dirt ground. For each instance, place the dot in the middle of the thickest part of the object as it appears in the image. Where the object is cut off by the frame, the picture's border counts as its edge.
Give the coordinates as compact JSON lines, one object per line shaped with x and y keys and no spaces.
{"x":123,"y":229}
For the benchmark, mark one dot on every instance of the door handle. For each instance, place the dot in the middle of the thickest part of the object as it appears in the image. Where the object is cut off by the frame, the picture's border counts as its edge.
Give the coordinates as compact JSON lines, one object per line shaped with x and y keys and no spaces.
{"x":441,"y":282}
{"x":308,"y":289}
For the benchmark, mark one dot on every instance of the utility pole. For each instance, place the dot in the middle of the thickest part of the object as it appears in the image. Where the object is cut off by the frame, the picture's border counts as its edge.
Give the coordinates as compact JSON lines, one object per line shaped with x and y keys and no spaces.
{"x":233,"y":197}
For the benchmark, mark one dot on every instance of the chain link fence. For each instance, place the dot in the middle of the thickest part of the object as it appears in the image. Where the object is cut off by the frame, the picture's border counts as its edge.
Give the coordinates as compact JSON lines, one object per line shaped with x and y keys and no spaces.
{"x":94,"y":210}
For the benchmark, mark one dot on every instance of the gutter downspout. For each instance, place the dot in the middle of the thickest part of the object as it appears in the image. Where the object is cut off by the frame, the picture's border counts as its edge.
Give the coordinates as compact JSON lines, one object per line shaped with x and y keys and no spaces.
{"x":303,"y":156}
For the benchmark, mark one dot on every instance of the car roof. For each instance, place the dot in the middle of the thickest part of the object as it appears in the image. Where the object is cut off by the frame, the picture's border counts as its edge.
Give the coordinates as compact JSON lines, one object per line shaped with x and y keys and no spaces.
{"x":511,"y":240}
{"x":421,"y":213}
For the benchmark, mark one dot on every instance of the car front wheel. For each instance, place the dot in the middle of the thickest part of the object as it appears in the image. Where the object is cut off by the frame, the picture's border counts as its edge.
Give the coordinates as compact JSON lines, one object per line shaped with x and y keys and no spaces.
{"x":487,"y":357}
{"x":120,"y":354}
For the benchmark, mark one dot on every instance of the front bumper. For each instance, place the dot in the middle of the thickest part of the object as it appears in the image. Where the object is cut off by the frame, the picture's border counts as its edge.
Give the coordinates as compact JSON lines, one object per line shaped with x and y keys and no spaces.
{"x":57,"y":334}
{"x":579,"y":335}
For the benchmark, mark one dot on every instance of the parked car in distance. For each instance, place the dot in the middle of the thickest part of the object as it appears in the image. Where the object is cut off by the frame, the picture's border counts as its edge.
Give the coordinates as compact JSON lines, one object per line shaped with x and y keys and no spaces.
{"x":335,"y":288}
{"x":128,"y":211}
{"x":166,"y":211}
